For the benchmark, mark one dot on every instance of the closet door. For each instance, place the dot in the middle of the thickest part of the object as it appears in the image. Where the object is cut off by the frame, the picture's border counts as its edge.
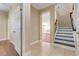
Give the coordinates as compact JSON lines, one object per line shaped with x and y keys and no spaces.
{"x":17,"y":30}
{"x":14,"y":25}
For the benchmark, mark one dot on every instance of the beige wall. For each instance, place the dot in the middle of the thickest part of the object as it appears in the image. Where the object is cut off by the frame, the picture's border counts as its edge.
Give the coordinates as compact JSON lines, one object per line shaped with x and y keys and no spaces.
{"x":35,"y":24}
{"x":26,"y":28}
{"x":53,"y":20}
{"x":63,"y":14}
{"x":3,"y":25}
{"x":30,"y":25}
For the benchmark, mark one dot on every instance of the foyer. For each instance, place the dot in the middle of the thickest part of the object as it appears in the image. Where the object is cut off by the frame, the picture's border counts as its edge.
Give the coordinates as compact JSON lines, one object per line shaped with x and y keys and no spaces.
{"x":57,"y":34}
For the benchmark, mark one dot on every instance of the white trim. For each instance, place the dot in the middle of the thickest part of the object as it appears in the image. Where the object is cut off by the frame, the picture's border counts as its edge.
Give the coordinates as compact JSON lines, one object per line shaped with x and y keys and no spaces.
{"x":16,"y":48}
{"x":12,"y":42}
{"x":7,"y":39}
{"x":1,"y":39}
{"x":27,"y":53}
{"x":35,"y":42}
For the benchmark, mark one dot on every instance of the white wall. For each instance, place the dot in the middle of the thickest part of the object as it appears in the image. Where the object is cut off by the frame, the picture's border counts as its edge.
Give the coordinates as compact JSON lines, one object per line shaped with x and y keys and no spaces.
{"x":14,"y":25}
{"x":77,"y":28}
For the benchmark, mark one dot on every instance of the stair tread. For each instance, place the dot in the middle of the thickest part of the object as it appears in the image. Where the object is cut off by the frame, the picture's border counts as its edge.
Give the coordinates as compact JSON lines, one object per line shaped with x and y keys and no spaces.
{"x":64,"y":39}
{"x":64,"y":27}
{"x":62,"y":36}
{"x":65,"y":44}
{"x":64,"y":30}
{"x":63,"y":33}
{"x":65,"y":47}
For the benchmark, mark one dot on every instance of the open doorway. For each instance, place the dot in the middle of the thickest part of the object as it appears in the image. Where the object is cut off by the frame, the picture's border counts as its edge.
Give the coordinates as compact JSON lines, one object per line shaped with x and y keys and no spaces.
{"x":45,"y":26}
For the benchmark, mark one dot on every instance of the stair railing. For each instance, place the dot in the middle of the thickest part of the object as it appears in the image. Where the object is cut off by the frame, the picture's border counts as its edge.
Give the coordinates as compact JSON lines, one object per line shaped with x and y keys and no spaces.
{"x":56,"y":25}
{"x":72,"y":22}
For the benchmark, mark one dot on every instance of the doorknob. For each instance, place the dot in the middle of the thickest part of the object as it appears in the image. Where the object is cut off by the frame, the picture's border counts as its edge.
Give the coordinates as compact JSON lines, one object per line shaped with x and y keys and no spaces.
{"x":14,"y":31}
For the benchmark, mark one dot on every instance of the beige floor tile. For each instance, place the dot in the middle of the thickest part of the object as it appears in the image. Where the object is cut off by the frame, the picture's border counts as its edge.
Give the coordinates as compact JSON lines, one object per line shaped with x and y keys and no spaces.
{"x":46,"y":49}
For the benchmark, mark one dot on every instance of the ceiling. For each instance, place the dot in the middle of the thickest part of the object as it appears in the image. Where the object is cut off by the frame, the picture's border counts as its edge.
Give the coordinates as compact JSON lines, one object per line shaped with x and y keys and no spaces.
{"x":40,"y":6}
{"x":5,"y":6}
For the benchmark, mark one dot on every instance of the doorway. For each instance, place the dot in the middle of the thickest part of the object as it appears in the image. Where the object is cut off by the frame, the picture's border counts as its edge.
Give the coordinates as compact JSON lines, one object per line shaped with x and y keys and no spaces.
{"x":45,"y":26}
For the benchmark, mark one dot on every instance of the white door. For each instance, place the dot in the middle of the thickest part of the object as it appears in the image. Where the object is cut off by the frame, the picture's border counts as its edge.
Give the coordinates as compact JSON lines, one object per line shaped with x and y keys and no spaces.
{"x":15,"y":29}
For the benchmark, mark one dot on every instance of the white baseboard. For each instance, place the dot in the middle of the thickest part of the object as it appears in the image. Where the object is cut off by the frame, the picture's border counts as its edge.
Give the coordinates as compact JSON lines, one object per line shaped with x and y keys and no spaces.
{"x":1,"y":39}
{"x":12,"y":42}
{"x":35,"y":42}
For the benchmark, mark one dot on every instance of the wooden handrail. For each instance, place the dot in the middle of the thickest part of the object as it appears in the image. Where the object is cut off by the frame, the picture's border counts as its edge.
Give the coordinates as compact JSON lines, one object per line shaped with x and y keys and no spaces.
{"x":56,"y":22}
{"x":56,"y":25}
{"x":71,"y":13}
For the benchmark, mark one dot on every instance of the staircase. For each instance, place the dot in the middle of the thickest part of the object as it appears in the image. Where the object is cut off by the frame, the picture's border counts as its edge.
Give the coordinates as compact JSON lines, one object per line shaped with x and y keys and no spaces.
{"x":64,"y":38}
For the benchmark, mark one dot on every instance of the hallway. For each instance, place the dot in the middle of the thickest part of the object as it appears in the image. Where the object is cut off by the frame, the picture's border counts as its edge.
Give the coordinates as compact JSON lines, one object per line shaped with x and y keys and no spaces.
{"x":47,"y":49}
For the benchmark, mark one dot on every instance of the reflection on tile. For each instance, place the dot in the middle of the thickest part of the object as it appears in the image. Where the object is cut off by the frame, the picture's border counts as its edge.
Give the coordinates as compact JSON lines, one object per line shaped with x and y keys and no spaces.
{"x":46,"y":49}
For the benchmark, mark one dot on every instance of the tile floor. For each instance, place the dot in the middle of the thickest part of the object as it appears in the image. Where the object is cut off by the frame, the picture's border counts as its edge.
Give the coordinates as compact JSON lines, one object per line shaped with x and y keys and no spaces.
{"x":46,"y":49}
{"x":46,"y":37}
